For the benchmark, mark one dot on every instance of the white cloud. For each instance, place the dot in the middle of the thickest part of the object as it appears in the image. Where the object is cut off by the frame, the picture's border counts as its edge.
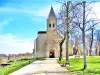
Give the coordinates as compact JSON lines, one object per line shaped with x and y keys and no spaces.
{"x":96,"y":9}
{"x":3,"y":23}
{"x":36,"y":19}
{"x":44,"y":11}
{"x":16,"y":10}
{"x":41,"y":11}
{"x":9,"y":44}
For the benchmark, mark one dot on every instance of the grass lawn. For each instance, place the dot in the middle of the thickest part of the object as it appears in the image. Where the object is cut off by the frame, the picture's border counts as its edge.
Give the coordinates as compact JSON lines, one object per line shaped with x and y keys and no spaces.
{"x":16,"y":65}
{"x":76,"y":65}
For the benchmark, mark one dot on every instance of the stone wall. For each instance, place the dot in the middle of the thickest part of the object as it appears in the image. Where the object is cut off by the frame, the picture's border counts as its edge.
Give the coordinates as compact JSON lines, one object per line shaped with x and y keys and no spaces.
{"x":3,"y":60}
{"x":41,"y":45}
{"x":14,"y":57}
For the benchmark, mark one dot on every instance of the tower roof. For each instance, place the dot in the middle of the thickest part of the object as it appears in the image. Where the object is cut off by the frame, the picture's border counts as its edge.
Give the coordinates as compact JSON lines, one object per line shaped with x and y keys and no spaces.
{"x":51,"y":13}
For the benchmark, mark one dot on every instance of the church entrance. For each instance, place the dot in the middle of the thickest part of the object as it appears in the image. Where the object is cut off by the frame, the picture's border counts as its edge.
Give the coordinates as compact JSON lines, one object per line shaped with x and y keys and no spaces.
{"x":52,"y":53}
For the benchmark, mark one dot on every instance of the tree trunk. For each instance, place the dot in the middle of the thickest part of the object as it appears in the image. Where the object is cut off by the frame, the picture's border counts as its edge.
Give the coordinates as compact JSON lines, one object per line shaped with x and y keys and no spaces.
{"x":83,"y":36}
{"x":90,"y":51}
{"x":67,"y":29}
{"x":61,"y":44}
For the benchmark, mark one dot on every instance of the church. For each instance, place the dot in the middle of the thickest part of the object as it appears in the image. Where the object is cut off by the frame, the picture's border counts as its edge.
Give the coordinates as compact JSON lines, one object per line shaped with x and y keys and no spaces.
{"x":47,"y":42}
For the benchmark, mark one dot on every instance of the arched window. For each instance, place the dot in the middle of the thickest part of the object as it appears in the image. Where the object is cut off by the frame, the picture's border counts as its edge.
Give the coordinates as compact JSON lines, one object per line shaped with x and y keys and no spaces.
{"x":49,"y":25}
{"x":53,"y":25}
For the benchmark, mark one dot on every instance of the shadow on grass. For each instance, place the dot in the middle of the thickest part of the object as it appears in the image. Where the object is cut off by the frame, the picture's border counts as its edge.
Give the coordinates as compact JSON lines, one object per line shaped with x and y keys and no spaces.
{"x":87,"y":71}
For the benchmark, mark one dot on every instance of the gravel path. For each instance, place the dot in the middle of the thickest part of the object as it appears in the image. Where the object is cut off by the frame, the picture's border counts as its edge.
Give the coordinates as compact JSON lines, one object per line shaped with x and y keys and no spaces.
{"x":46,"y":67}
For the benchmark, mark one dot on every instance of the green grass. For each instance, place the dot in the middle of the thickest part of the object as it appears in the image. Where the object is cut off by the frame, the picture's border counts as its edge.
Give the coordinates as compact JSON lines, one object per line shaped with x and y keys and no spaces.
{"x":76,"y":65}
{"x":16,"y":65}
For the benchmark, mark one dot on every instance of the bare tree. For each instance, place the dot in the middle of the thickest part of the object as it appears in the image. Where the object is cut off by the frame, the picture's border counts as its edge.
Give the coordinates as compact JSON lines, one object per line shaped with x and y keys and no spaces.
{"x":65,"y":17}
{"x":98,"y":42}
{"x":77,"y":48}
{"x":66,"y":26}
{"x":83,"y":32}
{"x":91,"y":41}
{"x":80,"y":17}
{"x":83,"y":20}
{"x":61,"y":44}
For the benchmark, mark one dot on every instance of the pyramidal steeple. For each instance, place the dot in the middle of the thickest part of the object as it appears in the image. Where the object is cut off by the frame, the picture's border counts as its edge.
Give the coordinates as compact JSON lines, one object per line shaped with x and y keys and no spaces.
{"x":51,"y":13}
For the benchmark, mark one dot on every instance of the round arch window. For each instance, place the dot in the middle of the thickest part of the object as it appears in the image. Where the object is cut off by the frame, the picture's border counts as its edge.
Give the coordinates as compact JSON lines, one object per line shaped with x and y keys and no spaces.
{"x":49,"y":25}
{"x":53,"y":25}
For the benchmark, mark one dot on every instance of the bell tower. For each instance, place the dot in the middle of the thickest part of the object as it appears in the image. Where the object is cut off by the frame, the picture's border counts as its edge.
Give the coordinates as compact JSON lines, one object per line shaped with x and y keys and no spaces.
{"x":51,"y":20}
{"x":52,"y":46}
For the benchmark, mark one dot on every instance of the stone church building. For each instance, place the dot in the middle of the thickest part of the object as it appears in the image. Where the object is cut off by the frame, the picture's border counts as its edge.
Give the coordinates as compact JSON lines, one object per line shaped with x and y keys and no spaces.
{"x":47,"y":42}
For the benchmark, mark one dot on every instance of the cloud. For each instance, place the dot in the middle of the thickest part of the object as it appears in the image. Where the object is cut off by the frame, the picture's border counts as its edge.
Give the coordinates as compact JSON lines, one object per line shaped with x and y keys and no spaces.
{"x":44,"y":11}
{"x":41,"y":11}
{"x":96,"y":8}
{"x":9,"y":44}
{"x":16,"y":10}
{"x":36,"y":19}
{"x":3,"y":23}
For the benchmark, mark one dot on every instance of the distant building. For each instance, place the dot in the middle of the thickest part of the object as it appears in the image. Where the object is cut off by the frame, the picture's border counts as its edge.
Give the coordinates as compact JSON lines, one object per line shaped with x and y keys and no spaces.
{"x":47,"y":42}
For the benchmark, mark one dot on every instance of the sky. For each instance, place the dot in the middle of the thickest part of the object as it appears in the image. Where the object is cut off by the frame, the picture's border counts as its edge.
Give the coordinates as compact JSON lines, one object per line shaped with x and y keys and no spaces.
{"x":20,"y":20}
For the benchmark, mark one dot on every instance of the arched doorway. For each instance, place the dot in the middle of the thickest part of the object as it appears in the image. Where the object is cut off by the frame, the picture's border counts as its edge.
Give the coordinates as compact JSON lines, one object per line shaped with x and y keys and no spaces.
{"x":52,"y":53}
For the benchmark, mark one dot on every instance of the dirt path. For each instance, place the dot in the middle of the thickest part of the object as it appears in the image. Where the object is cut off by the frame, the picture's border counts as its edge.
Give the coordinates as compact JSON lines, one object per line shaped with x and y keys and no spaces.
{"x":46,"y":67}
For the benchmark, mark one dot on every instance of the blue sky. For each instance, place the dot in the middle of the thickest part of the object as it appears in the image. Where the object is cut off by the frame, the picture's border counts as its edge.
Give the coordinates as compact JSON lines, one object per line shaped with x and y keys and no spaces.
{"x":24,"y":16}
{"x":20,"y":20}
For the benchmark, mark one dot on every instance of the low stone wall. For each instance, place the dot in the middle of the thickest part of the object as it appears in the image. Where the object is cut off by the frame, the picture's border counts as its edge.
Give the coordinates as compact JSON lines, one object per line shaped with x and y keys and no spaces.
{"x":14,"y":58}
{"x":3,"y":60}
